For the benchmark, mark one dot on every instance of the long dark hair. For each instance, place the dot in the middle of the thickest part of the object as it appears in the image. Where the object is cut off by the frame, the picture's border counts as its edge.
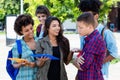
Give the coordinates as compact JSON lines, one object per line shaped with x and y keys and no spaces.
{"x":62,"y":41}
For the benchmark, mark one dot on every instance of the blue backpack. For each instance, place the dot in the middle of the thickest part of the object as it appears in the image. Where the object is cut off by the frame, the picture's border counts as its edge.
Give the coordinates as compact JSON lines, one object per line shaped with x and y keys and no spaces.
{"x":9,"y":67}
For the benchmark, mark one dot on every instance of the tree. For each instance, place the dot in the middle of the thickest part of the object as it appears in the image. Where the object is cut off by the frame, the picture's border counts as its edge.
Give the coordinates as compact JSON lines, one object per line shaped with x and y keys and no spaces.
{"x":105,"y":9}
{"x":9,"y":7}
{"x":67,"y":11}
{"x":63,"y":9}
{"x":56,"y":7}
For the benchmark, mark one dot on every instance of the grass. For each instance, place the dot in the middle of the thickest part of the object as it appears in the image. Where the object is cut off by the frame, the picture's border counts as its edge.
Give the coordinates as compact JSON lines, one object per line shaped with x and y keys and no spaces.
{"x":2,"y":32}
{"x":115,"y":61}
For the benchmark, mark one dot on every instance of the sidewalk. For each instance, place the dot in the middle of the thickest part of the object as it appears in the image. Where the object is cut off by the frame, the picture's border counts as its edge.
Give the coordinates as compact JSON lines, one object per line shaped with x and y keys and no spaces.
{"x":71,"y":70}
{"x":114,"y":71}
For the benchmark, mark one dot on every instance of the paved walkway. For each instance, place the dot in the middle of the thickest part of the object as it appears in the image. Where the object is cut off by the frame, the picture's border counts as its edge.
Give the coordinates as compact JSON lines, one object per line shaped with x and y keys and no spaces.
{"x":71,"y":70}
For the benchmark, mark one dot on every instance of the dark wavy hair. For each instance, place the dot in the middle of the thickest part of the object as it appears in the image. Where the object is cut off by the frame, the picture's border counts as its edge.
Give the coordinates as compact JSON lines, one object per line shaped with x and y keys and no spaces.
{"x":62,"y":41}
{"x":22,"y":21}
{"x":90,"y":5}
{"x":42,"y":10}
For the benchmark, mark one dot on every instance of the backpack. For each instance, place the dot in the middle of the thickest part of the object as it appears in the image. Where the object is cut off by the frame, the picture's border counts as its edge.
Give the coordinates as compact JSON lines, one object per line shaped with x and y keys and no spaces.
{"x":9,"y":67}
{"x":38,"y":30}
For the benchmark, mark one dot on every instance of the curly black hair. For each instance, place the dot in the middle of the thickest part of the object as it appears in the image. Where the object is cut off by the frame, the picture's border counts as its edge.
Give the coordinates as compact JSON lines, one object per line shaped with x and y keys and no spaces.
{"x":90,"y":5}
{"x":22,"y":21}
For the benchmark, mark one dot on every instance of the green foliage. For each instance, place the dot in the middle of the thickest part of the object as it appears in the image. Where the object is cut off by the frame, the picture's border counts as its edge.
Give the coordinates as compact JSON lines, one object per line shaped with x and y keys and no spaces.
{"x":105,"y":9}
{"x":66,"y":11}
{"x":2,"y":13}
{"x":9,"y":7}
{"x":63,"y":9}
{"x":115,"y":61}
{"x":31,"y":6}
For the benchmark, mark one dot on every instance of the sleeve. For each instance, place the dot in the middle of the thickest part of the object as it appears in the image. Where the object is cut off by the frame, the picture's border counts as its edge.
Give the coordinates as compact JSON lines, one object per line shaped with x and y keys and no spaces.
{"x":15,"y":53}
{"x":39,"y":48}
{"x":111,"y":43}
{"x":97,"y":49}
{"x":88,"y":60}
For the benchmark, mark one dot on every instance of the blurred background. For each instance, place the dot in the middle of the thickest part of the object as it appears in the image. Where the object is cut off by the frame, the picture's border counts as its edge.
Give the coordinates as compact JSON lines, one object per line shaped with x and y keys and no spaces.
{"x":67,"y":12}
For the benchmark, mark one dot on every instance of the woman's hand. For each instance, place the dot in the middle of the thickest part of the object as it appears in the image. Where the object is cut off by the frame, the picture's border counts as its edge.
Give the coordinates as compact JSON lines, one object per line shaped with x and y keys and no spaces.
{"x":20,"y":64}
{"x":41,"y":61}
{"x":75,"y":50}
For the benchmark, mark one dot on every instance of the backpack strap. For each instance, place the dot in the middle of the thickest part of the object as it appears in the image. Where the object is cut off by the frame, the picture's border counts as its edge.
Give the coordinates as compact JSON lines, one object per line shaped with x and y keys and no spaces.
{"x":38,"y":30}
{"x":102,"y":33}
{"x":19,"y":47}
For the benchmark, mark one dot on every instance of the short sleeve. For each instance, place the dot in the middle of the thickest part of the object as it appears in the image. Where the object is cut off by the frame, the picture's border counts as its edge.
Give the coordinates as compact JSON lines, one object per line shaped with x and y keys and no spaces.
{"x":15,"y":52}
{"x":111,"y":43}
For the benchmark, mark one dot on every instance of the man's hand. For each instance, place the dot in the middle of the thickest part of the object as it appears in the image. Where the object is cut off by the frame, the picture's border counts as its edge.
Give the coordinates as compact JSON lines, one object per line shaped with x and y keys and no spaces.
{"x":80,"y":59}
{"x":77,"y":65}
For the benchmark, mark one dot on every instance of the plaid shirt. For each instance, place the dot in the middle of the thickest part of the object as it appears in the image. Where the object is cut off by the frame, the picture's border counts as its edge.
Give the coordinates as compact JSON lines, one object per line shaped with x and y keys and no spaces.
{"x":25,"y":72}
{"x":94,"y":50}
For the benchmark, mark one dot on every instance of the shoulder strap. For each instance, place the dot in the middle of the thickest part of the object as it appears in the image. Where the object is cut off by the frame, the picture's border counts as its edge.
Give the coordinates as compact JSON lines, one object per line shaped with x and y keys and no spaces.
{"x":38,"y":30}
{"x":102,"y":32}
{"x":19,"y":47}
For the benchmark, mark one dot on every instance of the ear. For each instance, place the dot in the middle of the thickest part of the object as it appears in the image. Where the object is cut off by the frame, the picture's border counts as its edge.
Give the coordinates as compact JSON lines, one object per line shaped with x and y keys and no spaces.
{"x":21,"y":32}
{"x":96,"y":16}
{"x":90,"y":26}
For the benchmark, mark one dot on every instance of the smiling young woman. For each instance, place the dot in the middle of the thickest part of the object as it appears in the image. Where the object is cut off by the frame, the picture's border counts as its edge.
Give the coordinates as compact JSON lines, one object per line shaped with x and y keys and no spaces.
{"x":24,"y":27}
{"x":53,"y":43}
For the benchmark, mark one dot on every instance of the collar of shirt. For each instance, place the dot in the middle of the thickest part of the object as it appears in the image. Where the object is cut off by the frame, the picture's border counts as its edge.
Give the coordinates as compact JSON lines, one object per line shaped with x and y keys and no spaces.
{"x":91,"y":35}
{"x":39,"y":27}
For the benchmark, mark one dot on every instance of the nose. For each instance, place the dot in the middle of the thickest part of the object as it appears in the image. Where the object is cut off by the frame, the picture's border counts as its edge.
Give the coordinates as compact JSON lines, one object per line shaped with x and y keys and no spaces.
{"x":40,"y":18}
{"x":31,"y":30}
{"x":58,"y":27}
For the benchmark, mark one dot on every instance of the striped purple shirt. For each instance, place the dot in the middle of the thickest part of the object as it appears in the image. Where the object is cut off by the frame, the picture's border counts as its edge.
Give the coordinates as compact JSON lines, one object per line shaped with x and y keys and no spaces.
{"x":94,"y":52}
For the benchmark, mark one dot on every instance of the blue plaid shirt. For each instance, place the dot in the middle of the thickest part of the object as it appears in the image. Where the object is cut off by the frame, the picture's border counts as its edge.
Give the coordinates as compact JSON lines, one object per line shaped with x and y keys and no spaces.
{"x":25,"y":72}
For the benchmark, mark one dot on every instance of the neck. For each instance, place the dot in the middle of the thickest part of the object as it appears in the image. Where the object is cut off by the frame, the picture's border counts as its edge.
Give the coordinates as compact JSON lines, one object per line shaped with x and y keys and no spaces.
{"x":53,"y":38}
{"x":28,"y":39}
{"x":90,"y":31}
